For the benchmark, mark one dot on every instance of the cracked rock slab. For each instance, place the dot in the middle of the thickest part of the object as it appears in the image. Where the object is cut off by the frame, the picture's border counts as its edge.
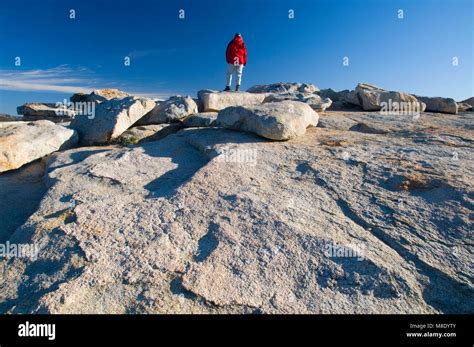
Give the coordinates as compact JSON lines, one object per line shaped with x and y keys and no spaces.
{"x":220,"y":221}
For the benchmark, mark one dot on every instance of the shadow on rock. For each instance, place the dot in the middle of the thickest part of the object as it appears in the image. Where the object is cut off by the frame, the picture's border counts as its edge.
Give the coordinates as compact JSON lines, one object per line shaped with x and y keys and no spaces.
{"x":189,"y":150}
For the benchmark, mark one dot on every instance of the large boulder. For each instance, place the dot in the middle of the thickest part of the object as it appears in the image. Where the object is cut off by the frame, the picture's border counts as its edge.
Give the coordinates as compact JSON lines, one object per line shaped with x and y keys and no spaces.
{"x":99,"y":95}
{"x":469,"y":101}
{"x":350,"y":97}
{"x":369,"y":96}
{"x":308,"y":88}
{"x":464,"y":106}
{"x":345,"y":95}
{"x":199,"y":97}
{"x":304,"y":92}
{"x":276,"y":121}
{"x":438,"y":104}
{"x":47,"y":111}
{"x":172,"y":110}
{"x":203,"y":119}
{"x":284,"y":88}
{"x":317,"y":103}
{"x":213,"y":102}
{"x":23,"y":142}
{"x":394,"y":101}
{"x":368,"y":86}
{"x":373,"y":98}
{"x":342,"y":100}
{"x":313,"y":100}
{"x":330,"y":93}
{"x":111,"y":119}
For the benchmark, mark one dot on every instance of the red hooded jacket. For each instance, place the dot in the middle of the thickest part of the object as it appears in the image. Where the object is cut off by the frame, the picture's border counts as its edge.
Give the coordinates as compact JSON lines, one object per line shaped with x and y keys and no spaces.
{"x":236,"y":50}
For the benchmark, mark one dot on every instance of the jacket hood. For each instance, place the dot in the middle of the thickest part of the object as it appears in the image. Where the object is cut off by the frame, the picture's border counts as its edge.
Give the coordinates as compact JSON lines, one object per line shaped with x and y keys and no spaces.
{"x":239,"y":40}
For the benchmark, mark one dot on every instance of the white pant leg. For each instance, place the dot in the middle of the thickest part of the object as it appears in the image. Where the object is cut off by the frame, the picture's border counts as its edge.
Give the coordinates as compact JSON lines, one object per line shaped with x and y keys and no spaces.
{"x":239,"y":69}
{"x":230,"y":71}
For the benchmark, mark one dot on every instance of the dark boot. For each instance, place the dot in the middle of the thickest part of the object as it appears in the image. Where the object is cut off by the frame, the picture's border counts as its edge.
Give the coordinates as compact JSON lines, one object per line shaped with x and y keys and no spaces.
{"x":237,"y":88}
{"x":227,"y":88}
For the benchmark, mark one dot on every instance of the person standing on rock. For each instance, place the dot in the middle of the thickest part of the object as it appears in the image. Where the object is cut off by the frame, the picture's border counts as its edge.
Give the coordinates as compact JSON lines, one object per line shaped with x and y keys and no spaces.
{"x":236,"y":56}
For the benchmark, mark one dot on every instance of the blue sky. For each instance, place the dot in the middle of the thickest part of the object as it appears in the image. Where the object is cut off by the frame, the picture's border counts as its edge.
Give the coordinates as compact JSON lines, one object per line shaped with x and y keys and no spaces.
{"x":180,"y":56}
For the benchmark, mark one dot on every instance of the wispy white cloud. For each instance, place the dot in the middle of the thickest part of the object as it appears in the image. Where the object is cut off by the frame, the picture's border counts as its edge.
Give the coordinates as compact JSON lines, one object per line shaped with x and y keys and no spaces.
{"x":58,"y":79}
{"x":66,"y":79}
